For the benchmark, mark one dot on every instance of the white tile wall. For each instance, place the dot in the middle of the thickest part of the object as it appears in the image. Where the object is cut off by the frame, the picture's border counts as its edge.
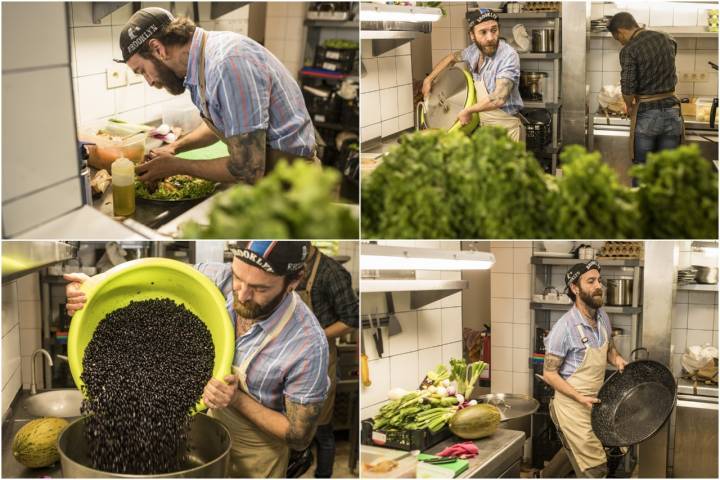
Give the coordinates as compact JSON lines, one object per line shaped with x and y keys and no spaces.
{"x":510,"y":291}
{"x":386,"y":92}
{"x":285,"y":33}
{"x":693,"y":54}
{"x":94,"y":46}
{"x":429,"y":336}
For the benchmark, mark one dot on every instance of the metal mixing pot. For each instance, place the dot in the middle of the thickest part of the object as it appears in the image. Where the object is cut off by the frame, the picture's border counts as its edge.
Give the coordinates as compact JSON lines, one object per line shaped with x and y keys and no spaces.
{"x":208,"y":452}
{"x":707,"y":275}
{"x":543,"y":40}
{"x":619,"y":291}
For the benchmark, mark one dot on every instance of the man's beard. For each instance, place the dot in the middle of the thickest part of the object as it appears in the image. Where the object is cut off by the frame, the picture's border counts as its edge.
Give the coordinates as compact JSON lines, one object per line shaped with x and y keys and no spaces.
{"x":168,"y":80}
{"x":255,"y":311}
{"x":488,"y":50}
{"x":594,"y":300}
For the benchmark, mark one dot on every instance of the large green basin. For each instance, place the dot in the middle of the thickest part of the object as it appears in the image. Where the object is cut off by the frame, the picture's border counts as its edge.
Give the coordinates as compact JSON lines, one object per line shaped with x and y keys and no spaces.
{"x":146,"y":279}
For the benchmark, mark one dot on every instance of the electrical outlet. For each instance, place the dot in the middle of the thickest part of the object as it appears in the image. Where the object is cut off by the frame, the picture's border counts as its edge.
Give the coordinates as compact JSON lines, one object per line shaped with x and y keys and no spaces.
{"x":702,"y":77}
{"x":133,"y":78}
{"x":116,"y":76}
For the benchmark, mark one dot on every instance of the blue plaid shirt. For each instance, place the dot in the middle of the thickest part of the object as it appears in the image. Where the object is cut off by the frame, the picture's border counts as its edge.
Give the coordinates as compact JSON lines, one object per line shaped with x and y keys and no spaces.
{"x":249,"y":89}
{"x":504,"y":64}
{"x":294,"y":365}
{"x":564,"y":340}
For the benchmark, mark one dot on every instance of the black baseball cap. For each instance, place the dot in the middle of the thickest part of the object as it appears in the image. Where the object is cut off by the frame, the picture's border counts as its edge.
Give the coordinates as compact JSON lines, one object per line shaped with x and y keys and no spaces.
{"x":578,"y":270}
{"x":142,"y":26}
{"x":481,"y":15}
{"x":273,"y":256}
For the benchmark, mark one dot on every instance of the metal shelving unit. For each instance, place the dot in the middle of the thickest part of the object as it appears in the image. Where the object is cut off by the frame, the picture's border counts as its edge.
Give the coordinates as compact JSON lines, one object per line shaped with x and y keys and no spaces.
{"x":698,"y":287}
{"x":553,"y":105}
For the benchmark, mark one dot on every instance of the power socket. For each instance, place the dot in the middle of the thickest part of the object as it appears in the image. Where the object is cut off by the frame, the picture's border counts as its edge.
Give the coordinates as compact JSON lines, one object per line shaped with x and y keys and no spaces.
{"x":692,"y":76}
{"x":133,"y":78}
{"x":116,"y":76}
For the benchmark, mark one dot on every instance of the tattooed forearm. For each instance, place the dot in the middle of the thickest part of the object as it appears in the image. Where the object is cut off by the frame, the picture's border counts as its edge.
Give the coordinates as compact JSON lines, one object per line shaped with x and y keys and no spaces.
{"x":611,"y":346}
{"x":247,"y":156}
{"x":552,"y":363}
{"x":457,"y":56}
{"x":503,"y":87}
{"x":303,"y":422}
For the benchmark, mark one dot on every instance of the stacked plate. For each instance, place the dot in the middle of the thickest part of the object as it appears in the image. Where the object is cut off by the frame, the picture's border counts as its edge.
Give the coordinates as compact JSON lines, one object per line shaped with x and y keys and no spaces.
{"x":686,"y":276}
{"x":600,"y":25}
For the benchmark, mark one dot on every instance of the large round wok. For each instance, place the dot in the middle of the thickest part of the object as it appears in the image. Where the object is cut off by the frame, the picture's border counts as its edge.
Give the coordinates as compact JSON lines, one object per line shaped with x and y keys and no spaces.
{"x":634,"y":404}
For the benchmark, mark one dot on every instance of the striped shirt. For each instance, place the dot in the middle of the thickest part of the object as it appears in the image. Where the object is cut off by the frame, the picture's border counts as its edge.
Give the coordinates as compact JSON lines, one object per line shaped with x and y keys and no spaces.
{"x":504,"y":64}
{"x":248,"y":89}
{"x":564,"y":340}
{"x":294,"y":365}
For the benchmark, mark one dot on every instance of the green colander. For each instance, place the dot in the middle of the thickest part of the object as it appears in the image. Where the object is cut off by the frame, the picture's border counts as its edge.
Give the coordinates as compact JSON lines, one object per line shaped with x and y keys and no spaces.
{"x":146,"y":279}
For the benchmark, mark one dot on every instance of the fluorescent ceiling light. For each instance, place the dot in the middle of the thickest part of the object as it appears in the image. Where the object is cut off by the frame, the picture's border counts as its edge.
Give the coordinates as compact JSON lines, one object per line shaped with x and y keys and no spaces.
{"x":398,"y":13}
{"x":381,"y":257}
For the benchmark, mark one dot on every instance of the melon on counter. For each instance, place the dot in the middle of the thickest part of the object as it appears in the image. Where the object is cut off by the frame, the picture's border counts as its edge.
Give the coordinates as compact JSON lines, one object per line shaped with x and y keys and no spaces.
{"x":475,"y":422}
{"x":35,"y":444}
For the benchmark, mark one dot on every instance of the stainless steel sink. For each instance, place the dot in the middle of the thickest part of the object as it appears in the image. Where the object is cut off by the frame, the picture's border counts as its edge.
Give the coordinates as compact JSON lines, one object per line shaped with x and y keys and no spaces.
{"x":54,"y":403}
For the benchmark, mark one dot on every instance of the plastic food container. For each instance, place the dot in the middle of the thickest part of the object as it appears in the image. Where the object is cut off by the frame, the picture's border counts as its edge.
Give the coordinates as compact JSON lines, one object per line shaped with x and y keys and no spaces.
{"x":108,"y":149}
{"x":146,"y":279}
{"x":702,"y":109}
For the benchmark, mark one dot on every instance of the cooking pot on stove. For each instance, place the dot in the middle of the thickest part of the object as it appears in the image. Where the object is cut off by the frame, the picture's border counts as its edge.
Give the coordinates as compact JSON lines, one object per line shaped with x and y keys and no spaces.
{"x":452,"y":91}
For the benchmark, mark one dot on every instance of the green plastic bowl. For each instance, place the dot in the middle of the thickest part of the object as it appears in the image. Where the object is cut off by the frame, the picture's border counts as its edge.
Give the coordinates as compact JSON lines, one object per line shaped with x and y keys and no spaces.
{"x":146,"y":279}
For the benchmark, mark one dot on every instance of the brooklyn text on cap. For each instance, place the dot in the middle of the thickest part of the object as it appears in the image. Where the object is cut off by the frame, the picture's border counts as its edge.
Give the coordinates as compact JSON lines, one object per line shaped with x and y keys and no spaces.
{"x":577,"y":270}
{"x":140,"y":28}
{"x":276,"y":257}
{"x":478,"y":16}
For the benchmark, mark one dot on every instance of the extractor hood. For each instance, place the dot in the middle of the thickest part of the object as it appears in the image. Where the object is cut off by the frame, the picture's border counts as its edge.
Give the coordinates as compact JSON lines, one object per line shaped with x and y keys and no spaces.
{"x":389,"y":26}
{"x":20,"y":258}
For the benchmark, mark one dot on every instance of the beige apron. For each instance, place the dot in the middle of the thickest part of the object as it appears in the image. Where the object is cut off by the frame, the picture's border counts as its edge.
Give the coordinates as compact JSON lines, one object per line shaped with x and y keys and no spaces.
{"x":515,"y":128}
{"x":633,"y":116}
{"x":254,"y":453}
{"x":572,"y":417}
{"x":326,"y":414}
{"x":272,"y":156}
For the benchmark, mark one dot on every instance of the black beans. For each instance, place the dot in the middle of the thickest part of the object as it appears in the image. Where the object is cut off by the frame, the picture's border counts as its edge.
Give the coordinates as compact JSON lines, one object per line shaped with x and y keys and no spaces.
{"x":144,"y":370}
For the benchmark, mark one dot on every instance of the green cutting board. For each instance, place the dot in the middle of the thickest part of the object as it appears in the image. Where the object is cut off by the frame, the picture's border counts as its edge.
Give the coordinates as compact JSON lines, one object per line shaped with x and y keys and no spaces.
{"x":457,"y":467}
{"x":216,"y":150}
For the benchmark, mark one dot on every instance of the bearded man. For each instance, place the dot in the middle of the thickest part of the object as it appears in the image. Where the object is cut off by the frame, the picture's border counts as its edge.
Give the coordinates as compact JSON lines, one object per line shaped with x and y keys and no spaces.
{"x":272,"y":401}
{"x":495,"y":67}
{"x":577,"y":351}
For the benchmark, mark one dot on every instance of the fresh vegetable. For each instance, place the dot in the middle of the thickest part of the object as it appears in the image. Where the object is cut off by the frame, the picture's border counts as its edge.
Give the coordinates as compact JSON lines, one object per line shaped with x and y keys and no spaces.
{"x":435,"y":378}
{"x":340,"y":44}
{"x":466,"y":376}
{"x":460,"y":450}
{"x":475,"y":422}
{"x":397,"y":393}
{"x":416,"y":410}
{"x":293,"y":201}
{"x":177,"y":187}
{"x":678,"y":194}
{"x":35,"y":444}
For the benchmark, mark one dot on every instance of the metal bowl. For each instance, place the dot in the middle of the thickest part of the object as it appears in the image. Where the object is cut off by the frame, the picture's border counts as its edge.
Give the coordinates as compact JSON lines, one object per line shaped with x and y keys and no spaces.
{"x":515,"y":410}
{"x":208,"y":452}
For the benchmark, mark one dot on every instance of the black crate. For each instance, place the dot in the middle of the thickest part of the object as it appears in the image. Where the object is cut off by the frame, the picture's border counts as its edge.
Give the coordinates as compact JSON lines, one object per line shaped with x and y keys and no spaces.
{"x":323,"y":109}
{"x":340,"y":60}
{"x":403,"y":439}
{"x":350,"y":114}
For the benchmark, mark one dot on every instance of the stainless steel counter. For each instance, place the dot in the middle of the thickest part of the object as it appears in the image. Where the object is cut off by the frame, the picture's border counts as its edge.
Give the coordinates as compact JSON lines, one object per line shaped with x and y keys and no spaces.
{"x":17,"y":417}
{"x":499,"y":455}
{"x":687,"y":387}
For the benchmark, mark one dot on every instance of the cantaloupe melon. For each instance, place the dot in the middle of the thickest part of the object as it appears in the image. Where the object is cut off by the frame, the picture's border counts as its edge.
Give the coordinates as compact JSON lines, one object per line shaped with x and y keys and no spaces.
{"x":475,"y":422}
{"x":35,"y":444}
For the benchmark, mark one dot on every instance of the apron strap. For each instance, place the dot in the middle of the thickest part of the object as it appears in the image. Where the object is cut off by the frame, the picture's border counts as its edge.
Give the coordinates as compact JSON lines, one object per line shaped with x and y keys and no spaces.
{"x":583,"y":338}
{"x":241,"y":370}
{"x":311,"y":280}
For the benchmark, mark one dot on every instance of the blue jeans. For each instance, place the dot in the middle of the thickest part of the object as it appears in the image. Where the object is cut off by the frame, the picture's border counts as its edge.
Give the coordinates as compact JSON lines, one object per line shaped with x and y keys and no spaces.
{"x":325,"y":442}
{"x":655,"y":130}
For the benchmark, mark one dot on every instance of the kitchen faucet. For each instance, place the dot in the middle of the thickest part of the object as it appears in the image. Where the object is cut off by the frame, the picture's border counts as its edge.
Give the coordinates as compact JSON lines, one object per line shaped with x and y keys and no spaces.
{"x":33,"y":386}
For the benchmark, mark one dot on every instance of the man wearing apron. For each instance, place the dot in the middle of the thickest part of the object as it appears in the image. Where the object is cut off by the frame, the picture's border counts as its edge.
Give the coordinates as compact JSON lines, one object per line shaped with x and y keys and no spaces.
{"x":647,"y":80}
{"x":327,"y":289}
{"x":577,"y":351}
{"x":495,"y":67}
{"x":246,"y":98}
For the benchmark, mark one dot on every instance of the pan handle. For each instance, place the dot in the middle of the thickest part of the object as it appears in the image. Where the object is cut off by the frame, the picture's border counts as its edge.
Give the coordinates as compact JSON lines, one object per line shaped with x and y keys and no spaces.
{"x":647,"y":354}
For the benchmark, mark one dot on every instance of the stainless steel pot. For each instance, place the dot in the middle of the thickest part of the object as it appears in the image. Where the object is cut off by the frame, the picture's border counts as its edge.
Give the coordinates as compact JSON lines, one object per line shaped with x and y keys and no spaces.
{"x":532,"y":85}
{"x":208,"y":456}
{"x":708,"y":275}
{"x":543,"y":40}
{"x":619,"y":291}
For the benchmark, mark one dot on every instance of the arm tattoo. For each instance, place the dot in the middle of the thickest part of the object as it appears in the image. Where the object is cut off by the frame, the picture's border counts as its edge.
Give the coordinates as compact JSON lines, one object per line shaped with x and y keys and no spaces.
{"x":611,"y":345}
{"x":552,"y":362}
{"x":457,"y":56}
{"x":247,"y":156}
{"x":303,"y":422}
{"x":503,"y":86}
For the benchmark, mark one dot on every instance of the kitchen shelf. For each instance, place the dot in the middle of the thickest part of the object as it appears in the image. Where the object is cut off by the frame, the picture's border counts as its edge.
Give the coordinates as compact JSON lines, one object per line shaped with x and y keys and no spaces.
{"x":548,"y":105}
{"x":566,"y":306}
{"x":698,"y":287}
{"x":539,"y":56}
{"x":676,"y":32}
{"x":332,"y":24}
{"x":422,"y":292}
{"x":540,"y":260}
{"x":529,"y":15}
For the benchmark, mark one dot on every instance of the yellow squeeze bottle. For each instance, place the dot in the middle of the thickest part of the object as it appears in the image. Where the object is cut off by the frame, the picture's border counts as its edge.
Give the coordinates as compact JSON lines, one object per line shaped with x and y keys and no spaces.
{"x":123,"y":187}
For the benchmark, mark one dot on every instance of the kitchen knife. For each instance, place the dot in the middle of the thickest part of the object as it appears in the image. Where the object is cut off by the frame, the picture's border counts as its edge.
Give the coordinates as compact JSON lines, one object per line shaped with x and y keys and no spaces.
{"x":394,"y":327}
{"x":377,"y":335}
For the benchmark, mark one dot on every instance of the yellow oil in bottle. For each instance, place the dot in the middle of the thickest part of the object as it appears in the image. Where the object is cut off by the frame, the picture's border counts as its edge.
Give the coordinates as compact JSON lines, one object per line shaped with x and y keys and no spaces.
{"x":123,"y":200}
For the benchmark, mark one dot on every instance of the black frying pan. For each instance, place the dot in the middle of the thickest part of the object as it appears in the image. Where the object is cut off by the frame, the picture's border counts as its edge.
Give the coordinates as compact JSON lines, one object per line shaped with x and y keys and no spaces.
{"x":634,"y":404}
